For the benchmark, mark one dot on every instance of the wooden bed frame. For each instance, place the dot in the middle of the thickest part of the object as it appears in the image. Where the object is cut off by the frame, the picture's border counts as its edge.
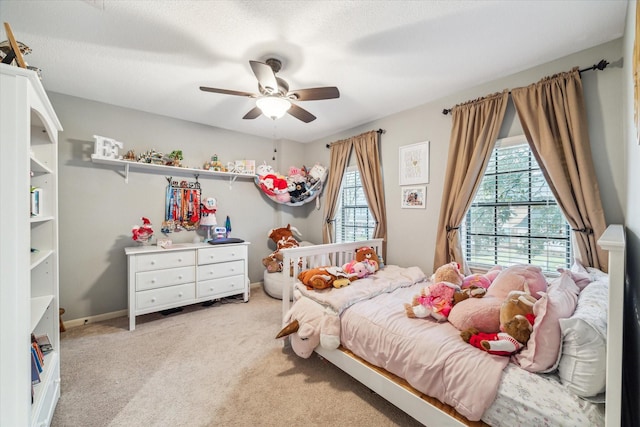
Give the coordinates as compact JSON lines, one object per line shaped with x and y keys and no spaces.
{"x":430,"y":411}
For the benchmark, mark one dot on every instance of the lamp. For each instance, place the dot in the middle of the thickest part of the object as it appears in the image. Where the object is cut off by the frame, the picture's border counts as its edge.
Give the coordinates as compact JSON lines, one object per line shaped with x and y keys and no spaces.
{"x":272,"y":106}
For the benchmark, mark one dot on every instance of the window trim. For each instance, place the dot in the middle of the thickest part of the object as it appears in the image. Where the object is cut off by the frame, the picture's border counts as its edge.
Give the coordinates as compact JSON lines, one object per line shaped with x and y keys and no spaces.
{"x":339,"y":210}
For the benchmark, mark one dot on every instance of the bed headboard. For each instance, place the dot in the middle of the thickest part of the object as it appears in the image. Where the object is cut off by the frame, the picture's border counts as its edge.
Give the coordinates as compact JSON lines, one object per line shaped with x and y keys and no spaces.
{"x":305,"y":257}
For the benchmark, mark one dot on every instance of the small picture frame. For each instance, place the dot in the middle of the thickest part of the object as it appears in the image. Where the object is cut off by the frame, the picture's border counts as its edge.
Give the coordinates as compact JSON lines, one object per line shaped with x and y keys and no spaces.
{"x":414,"y":197}
{"x":414,"y":164}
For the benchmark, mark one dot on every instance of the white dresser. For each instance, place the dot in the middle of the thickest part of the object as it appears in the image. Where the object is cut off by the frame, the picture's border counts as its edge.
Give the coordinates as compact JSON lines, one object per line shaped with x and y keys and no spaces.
{"x":183,"y":274}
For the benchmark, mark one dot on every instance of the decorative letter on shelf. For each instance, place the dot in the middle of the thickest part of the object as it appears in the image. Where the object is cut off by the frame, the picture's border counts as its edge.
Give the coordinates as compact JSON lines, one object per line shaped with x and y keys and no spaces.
{"x":106,"y":148}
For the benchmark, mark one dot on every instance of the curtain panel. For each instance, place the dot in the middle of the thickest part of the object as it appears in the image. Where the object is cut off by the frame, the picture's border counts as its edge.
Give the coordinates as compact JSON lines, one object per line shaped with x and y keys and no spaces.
{"x":368,"y":157}
{"x":340,"y":151}
{"x":475,"y":129}
{"x":553,"y":116}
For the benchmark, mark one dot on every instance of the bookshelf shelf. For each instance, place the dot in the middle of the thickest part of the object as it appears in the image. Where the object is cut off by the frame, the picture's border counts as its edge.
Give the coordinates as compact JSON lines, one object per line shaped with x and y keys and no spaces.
{"x":30,"y":286}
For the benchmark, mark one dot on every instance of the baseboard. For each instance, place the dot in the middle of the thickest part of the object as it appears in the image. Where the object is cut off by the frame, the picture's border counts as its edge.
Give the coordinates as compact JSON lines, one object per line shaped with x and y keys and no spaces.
{"x":107,"y":316}
{"x":92,"y":319}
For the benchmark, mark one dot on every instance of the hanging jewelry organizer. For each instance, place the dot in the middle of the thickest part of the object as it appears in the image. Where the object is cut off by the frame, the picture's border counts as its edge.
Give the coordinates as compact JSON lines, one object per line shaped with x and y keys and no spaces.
{"x":182,"y":205}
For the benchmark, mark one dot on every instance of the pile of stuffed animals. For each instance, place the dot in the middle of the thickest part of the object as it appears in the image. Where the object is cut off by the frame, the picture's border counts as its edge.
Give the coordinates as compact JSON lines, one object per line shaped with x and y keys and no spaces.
{"x":284,"y":239}
{"x":298,"y":186}
{"x":494,"y":311}
{"x":365,"y":263}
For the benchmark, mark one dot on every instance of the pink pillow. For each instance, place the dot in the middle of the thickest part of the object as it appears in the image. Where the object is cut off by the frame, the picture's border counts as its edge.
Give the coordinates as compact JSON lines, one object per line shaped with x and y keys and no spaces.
{"x":579,"y":274}
{"x":543,"y":347}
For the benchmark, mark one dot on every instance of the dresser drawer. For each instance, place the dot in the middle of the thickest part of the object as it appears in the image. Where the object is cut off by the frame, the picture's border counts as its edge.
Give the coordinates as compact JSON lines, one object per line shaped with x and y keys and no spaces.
{"x":175,"y":295}
{"x":221,"y":254}
{"x":215,"y":271}
{"x":163,"y":278}
{"x":225,"y":285}
{"x":157,"y":260}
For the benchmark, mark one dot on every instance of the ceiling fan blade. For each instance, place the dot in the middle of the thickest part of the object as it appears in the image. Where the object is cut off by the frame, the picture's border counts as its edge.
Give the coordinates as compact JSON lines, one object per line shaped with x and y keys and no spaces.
{"x":253,"y":113}
{"x":316,"y":93}
{"x":265,"y":75}
{"x":301,"y":114}
{"x":228,"y":92}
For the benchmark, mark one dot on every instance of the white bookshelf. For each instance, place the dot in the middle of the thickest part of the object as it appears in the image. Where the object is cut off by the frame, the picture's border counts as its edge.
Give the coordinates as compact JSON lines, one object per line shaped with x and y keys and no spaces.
{"x":29,"y":284}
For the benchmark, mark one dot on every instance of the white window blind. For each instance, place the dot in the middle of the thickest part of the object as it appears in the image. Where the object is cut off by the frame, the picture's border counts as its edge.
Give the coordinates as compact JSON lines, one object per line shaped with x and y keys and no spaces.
{"x":514,"y":217}
{"x":354,"y":221}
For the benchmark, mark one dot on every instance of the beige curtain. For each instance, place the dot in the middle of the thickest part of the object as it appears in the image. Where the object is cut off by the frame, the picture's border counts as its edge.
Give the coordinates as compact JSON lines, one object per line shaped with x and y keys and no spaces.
{"x":554,"y":120}
{"x":338,"y":162}
{"x":367,"y":154}
{"x":475,"y":128}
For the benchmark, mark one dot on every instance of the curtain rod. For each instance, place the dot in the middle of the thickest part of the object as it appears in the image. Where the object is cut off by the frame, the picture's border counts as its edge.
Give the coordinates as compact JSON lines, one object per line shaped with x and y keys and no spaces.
{"x":599,"y":66}
{"x":379,"y":131}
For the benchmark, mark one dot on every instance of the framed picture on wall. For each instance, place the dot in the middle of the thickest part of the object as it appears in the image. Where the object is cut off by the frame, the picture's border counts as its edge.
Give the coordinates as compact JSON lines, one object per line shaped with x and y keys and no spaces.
{"x":414,"y":197}
{"x":414,"y":163}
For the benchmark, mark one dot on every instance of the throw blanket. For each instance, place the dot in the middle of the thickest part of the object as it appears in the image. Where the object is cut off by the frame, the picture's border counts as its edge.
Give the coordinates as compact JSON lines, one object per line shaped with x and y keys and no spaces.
{"x":384,"y":280}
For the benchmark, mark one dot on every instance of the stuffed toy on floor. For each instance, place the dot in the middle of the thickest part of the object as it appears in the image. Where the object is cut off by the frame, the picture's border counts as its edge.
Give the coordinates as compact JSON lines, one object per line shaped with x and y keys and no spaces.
{"x":308,"y":325}
{"x":283,"y":238}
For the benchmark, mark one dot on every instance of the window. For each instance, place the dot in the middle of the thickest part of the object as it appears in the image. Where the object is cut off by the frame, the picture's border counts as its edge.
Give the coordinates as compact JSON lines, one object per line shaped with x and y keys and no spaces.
{"x":354,"y":221}
{"x":514,"y":217}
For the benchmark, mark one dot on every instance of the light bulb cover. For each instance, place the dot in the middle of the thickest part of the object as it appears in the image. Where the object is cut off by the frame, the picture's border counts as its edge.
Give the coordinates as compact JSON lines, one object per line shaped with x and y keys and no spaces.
{"x":273,"y":107}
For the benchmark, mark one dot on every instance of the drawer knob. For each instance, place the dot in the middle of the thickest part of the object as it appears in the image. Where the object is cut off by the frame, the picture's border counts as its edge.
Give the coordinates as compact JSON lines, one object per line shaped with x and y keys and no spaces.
{"x":153,"y":263}
{"x":211,"y":288}
{"x":153,"y":280}
{"x":180,"y":294}
{"x":180,"y":276}
{"x":153,"y":299}
{"x":179,"y":259}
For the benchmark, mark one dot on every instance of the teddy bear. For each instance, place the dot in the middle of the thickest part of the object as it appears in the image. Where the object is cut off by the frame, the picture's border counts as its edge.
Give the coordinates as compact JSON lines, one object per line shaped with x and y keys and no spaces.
{"x":325,"y":277}
{"x":283,"y":238}
{"x":516,"y":325}
{"x":436,"y":300}
{"x":484,"y":313}
{"x":308,"y":325}
{"x":365,"y":263}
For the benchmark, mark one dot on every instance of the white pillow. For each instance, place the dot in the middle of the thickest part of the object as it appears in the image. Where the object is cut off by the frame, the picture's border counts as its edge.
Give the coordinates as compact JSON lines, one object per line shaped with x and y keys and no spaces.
{"x":582,"y":366}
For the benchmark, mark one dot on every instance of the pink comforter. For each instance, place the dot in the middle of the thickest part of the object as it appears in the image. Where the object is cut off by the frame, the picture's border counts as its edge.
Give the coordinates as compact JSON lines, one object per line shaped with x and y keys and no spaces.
{"x":431,"y":356}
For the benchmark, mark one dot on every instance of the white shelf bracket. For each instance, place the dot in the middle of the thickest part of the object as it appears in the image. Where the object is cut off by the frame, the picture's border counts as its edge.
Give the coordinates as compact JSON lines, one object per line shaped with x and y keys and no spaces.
{"x":126,"y":173}
{"x":232,"y":179}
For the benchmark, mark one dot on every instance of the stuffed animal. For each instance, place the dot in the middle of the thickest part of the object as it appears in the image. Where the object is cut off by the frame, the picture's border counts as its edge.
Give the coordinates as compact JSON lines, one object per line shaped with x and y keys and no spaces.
{"x":365,"y":263}
{"x":484,"y":313}
{"x":283,"y":238}
{"x":436,"y":300}
{"x":516,"y":325}
{"x":309,"y":325}
{"x":476,"y":285}
{"x":325,"y":277}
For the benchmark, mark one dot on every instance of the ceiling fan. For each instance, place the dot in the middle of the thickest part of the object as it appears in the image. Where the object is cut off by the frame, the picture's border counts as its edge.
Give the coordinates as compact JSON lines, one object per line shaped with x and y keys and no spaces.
{"x":274,"y":99}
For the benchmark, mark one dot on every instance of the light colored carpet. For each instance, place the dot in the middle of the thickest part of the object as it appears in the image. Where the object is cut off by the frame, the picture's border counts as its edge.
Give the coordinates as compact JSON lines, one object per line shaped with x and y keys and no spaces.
{"x":207,"y":366}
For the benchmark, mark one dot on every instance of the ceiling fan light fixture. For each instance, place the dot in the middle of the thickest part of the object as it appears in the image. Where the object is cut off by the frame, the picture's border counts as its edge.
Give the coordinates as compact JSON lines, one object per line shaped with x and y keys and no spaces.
{"x":273,"y":107}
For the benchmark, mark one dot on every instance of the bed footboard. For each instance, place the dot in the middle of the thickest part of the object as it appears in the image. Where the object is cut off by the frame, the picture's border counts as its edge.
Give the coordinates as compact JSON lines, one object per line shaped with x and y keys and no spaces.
{"x":305,"y":257}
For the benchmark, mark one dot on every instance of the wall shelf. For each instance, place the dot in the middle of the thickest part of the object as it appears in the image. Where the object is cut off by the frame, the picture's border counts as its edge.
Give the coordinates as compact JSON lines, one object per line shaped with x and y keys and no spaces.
{"x":167,"y":170}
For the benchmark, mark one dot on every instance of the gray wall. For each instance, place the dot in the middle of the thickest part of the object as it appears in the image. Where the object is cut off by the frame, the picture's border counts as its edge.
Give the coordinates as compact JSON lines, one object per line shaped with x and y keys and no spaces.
{"x":412,"y":231}
{"x":631,"y":150}
{"x":97,"y":208}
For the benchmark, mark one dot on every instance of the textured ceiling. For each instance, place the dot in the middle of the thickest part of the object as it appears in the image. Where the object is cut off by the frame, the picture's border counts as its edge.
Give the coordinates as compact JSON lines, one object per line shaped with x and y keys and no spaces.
{"x":384,"y":56}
